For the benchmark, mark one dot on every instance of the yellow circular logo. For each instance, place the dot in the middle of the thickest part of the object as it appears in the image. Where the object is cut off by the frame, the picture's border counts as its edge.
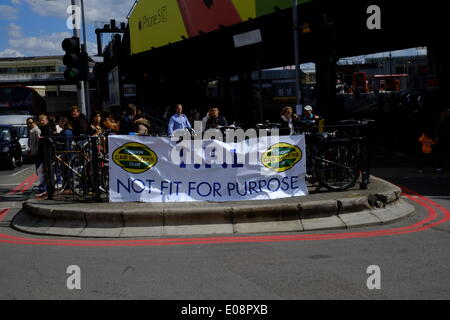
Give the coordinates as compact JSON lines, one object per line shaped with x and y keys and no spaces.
{"x":134,"y":157}
{"x":281,"y":157}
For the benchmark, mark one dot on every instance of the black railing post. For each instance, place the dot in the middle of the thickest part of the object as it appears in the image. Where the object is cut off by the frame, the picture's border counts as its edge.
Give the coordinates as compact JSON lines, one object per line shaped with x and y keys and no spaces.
{"x":365,"y":161}
{"x":48,"y":169}
{"x":95,"y":169}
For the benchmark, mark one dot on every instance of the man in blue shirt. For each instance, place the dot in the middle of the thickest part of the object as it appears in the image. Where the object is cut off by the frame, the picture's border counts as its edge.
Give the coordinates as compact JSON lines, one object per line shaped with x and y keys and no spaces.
{"x":178,"y":121}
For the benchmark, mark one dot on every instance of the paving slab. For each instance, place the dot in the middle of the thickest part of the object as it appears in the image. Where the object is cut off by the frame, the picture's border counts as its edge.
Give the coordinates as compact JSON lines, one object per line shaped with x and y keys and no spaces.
{"x":136,"y":231}
{"x":268,"y":226}
{"x":394,"y":211}
{"x":359,"y":219}
{"x":326,"y":223}
{"x":204,"y":229}
{"x":67,"y":228}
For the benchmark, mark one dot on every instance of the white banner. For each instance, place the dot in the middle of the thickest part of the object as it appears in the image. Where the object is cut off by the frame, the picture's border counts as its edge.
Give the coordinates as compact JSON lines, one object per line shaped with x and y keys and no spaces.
{"x":156,"y":169}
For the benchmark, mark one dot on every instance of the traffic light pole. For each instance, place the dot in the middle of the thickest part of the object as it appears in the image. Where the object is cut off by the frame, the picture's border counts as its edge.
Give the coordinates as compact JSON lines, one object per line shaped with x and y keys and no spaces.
{"x":83,"y":93}
{"x":87,"y":112}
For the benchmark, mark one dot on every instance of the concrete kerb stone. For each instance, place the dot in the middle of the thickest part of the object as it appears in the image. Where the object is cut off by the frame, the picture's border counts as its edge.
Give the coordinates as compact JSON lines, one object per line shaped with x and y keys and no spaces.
{"x":394,"y":211}
{"x":34,"y":224}
{"x":66,"y":214}
{"x":348,"y":205}
{"x":388,"y":196}
{"x":198,"y":216}
{"x":318,"y":209}
{"x":359,"y":219}
{"x":143,"y":218}
{"x":237,"y":217}
{"x":264,"y":213}
{"x":275,"y":218}
{"x":36,"y":210}
{"x":324,"y":223}
{"x":111,"y":218}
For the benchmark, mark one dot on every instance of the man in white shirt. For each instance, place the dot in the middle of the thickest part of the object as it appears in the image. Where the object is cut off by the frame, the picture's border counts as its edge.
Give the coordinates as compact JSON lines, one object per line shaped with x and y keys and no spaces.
{"x":33,"y":138}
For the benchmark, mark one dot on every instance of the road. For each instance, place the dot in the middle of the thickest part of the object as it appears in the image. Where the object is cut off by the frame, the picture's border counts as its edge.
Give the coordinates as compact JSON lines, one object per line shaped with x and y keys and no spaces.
{"x":414,"y":261}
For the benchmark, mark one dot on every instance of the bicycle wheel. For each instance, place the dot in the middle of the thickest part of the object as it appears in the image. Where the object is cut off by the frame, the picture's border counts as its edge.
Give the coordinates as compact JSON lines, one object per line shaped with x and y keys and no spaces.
{"x":104,"y":176}
{"x":311,"y":176}
{"x":79,"y":175}
{"x":337,"y":167}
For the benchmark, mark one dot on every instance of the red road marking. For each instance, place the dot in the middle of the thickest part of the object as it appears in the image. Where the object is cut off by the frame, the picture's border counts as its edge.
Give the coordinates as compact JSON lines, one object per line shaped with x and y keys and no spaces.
{"x":422,"y":225}
{"x":25,"y":185}
{"x":30,"y":183}
{"x":3,"y":213}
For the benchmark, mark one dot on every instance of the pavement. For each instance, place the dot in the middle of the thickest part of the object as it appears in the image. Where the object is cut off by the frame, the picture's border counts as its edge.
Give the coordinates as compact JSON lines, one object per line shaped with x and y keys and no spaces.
{"x":380,"y":203}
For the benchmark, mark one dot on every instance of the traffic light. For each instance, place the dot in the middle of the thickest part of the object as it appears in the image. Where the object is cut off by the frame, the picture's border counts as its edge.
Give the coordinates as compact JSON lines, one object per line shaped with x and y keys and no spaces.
{"x":75,"y":60}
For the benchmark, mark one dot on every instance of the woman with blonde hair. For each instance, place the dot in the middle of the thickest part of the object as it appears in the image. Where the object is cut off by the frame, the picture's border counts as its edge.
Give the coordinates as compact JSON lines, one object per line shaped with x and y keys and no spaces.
{"x":288,"y":117}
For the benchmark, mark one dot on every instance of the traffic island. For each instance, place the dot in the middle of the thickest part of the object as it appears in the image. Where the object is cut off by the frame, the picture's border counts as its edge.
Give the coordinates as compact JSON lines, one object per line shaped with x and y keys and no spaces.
{"x":379,"y":204}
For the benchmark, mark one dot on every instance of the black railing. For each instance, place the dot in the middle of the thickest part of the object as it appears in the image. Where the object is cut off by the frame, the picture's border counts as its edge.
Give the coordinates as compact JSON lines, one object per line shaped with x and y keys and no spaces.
{"x":76,"y":167}
{"x":336,"y":157}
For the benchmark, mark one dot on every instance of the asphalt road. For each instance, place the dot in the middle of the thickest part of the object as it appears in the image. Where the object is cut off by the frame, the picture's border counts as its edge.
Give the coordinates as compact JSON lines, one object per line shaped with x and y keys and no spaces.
{"x":413,"y":265}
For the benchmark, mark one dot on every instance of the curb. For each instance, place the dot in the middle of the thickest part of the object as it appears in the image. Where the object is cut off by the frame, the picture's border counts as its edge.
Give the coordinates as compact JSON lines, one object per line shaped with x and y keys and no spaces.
{"x":294,"y":214}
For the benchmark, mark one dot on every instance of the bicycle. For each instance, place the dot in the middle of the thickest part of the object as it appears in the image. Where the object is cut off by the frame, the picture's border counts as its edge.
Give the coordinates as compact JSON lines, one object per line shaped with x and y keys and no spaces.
{"x":332,"y":162}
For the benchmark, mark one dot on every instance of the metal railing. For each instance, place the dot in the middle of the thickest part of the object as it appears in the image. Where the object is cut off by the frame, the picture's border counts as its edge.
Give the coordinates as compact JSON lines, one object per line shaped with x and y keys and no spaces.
{"x":336,"y":157}
{"x":76,"y":167}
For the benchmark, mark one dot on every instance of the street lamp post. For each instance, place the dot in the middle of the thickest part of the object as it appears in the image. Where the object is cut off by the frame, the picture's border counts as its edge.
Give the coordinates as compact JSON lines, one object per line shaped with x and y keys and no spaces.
{"x":298,"y":89}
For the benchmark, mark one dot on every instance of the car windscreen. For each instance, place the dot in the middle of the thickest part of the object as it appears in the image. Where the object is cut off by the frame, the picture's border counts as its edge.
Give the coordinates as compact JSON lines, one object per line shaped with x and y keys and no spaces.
{"x":5,"y":135}
{"x":22,"y":131}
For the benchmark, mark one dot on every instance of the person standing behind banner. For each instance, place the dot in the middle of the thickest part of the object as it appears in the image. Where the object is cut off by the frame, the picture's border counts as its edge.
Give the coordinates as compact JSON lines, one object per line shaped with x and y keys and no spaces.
{"x":205,"y":120}
{"x":215,"y":120}
{"x":33,"y":141}
{"x":288,"y":117}
{"x":308,"y":114}
{"x":178,"y":121}
{"x":66,"y":137}
{"x":79,"y":123}
{"x":127,"y":123}
{"x":47,"y":131}
{"x":95,"y":128}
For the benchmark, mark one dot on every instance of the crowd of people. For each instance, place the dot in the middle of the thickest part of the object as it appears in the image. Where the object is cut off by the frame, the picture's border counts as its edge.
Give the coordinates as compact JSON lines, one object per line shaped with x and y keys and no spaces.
{"x":69,"y":129}
{"x":435,"y":144}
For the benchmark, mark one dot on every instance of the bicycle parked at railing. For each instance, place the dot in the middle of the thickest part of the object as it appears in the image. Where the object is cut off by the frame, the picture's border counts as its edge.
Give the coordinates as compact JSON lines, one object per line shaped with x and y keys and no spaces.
{"x":330,"y":162}
{"x":92,"y":165}
{"x":79,"y":169}
{"x":337,"y":157}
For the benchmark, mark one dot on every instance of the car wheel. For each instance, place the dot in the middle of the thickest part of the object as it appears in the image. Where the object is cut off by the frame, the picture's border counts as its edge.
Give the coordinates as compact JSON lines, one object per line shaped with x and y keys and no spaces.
{"x":13,"y":163}
{"x":20,"y":161}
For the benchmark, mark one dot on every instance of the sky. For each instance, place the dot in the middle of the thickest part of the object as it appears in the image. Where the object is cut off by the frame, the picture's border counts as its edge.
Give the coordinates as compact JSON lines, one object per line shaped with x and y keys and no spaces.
{"x":37,"y":27}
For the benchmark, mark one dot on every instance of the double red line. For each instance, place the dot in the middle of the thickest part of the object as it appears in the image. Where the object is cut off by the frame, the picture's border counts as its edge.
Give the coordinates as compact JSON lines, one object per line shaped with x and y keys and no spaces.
{"x":436,"y":215}
{"x":25,"y":185}
{"x":3,"y":213}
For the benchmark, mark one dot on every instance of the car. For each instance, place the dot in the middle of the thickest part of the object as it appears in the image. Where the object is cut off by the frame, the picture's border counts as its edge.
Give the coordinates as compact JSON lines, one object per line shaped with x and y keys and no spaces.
{"x":10,"y":148}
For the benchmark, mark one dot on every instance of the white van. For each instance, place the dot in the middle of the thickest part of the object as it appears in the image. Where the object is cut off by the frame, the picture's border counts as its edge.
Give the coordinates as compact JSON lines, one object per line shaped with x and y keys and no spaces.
{"x":19,"y":122}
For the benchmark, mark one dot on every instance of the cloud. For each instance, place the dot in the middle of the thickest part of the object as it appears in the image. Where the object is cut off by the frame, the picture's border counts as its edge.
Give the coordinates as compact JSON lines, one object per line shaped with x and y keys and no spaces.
{"x":16,"y":2}
{"x":8,"y":12}
{"x":45,"y":45}
{"x":95,"y":10}
{"x":10,"y":53}
{"x":14,"y":31}
{"x":42,"y":46}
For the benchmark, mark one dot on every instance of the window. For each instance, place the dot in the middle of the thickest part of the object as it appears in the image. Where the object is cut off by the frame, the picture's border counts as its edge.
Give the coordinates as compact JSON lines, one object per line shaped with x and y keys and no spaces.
{"x":22,"y":131}
{"x":5,"y":135}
